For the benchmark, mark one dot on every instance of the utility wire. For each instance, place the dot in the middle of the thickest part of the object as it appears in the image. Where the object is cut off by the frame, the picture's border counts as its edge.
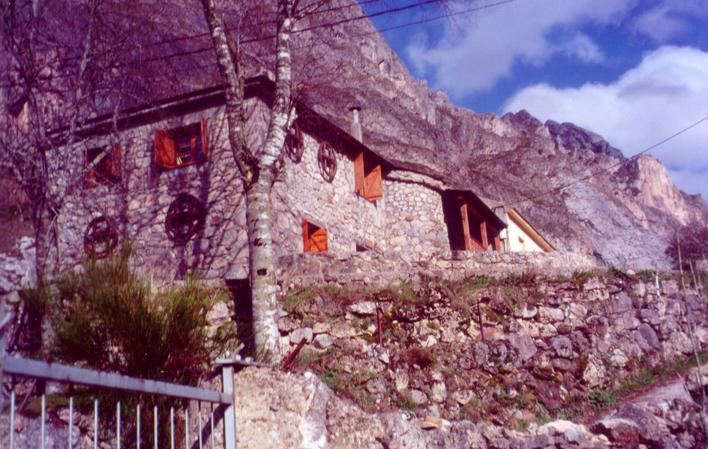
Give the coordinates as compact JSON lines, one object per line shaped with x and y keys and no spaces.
{"x":252,"y":40}
{"x":607,"y":169}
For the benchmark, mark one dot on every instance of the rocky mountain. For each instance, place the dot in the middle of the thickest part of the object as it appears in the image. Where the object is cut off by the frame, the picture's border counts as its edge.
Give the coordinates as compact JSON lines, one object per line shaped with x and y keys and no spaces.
{"x":583,"y":193}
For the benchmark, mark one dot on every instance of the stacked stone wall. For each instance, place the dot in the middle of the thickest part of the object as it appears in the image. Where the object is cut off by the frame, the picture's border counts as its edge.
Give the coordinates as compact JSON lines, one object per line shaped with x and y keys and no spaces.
{"x":407,"y":220}
{"x":376,"y":270}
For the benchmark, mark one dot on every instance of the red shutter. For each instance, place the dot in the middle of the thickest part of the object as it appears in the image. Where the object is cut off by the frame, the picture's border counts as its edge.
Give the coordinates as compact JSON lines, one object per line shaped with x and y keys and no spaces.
{"x":318,"y":241}
{"x":485,"y":237}
{"x":205,"y":137}
{"x":165,"y":151}
{"x":372,"y":185}
{"x":497,"y":243}
{"x":466,"y":227}
{"x":113,"y":164}
{"x":305,"y":236}
{"x":359,"y":174}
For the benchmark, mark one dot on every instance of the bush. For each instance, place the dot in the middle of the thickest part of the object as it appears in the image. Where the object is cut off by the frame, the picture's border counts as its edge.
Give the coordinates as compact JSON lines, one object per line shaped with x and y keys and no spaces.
{"x":106,"y":318}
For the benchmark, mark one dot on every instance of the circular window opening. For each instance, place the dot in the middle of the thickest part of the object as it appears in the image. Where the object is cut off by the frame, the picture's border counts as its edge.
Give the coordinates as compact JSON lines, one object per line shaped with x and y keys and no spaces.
{"x":184,"y":218}
{"x":100,"y":238}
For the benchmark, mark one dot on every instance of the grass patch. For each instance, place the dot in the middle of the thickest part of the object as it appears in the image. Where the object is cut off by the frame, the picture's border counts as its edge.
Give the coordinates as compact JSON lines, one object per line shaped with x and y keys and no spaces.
{"x":301,"y":296}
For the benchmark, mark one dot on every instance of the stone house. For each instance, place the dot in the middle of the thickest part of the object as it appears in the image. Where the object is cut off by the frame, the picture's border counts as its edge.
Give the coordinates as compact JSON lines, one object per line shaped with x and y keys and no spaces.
{"x":168,"y":183}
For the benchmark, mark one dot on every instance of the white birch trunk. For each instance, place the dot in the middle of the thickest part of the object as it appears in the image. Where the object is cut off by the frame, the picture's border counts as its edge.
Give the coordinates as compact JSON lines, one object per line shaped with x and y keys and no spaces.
{"x":258,"y":168}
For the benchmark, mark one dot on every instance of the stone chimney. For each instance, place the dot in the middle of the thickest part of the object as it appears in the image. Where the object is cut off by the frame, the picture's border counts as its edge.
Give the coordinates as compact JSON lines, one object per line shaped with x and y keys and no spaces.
{"x":356,"y":123}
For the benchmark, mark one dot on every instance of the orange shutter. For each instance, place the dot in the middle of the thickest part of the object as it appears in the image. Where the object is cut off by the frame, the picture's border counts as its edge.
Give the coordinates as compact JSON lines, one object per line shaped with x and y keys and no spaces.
{"x":113,"y":165}
{"x":466,"y":226}
{"x":205,"y":137}
{"x":165,"y":151}
{"x":497,"y":243}
{"x":359,"y":174}
{"x":305,"y":236}
{"x":318,"y":240}
{"x":483,"y":231}
{"x":372,"y":185}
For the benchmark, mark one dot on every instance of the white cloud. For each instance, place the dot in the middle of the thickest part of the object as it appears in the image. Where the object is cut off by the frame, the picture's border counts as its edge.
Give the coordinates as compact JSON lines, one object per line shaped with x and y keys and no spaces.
{"x":583,"y":48}
{"x":475,"y":56}
{"x":670,"y":19}
{"x":666,"y":92}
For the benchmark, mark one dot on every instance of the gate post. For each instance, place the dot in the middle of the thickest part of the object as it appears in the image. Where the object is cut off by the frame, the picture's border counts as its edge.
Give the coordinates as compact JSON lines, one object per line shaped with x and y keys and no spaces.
{"x":227,"y":381}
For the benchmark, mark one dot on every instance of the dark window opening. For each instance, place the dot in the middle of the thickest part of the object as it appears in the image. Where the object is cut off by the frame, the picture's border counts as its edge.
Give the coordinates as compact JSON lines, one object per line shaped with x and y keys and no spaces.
{"x":240,"y":290}
{"x":103,"y":166}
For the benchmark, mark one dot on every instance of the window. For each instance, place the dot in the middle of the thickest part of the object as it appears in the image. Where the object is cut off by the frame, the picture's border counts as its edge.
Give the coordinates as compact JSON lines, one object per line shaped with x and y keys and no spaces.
{"x":103,"y":166}
{"x":367,"y":178}
{"x":314,"y":238}
{"x":180,"y":147}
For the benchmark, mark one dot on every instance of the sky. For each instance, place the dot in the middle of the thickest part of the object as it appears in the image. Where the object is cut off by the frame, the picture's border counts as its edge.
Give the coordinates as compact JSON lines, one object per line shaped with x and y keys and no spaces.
{"x":633,"y":71}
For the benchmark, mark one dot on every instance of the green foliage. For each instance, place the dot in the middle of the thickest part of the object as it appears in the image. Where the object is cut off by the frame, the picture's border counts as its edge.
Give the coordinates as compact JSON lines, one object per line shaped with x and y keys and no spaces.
{"x":106,"y":318}
{"x":693,"y":243}
{"x":602,"y":398}
{"x":332,"y":379}
{"x":301,"y":296}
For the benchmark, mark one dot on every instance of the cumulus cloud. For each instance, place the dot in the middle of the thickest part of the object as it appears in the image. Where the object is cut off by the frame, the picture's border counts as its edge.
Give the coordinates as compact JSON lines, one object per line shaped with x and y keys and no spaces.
{"x":475,"y":56}
{"x":666,"y":92}
{"x":670,"y":19}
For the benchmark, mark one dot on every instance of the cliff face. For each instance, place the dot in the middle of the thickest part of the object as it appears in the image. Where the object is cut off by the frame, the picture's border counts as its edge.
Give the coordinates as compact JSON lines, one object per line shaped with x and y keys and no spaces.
{"x":581,"y":192}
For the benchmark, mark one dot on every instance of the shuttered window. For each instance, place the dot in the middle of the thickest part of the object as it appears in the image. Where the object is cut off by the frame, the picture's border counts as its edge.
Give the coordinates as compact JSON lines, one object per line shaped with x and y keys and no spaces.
{"x":180,"y":147}
{"x":367,"y":178}
{"x":103,"y":166}
{"x":314,"y":238}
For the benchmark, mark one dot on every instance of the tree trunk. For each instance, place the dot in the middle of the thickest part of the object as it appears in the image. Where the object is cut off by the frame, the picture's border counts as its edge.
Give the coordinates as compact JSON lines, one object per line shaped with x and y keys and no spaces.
{"x":259,"y":214}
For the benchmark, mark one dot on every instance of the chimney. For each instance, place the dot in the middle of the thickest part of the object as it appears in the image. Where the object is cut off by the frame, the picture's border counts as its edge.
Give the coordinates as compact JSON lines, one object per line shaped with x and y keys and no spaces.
{"x":356,"y":124}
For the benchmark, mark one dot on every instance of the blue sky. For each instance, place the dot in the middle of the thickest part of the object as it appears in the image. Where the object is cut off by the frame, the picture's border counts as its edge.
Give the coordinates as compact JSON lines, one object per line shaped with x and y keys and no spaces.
{"x":634,"y":71}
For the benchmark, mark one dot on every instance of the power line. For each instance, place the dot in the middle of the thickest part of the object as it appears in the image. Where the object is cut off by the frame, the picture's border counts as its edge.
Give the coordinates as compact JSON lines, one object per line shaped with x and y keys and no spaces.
{"x":607,"y":169}
{"x":253,"y":40}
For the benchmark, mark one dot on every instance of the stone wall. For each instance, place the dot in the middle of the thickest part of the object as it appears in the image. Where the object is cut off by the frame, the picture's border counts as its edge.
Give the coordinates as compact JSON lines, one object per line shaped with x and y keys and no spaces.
{"x":408,"y":220}
{"x":510,"y":351}
{"x":377,"y":270}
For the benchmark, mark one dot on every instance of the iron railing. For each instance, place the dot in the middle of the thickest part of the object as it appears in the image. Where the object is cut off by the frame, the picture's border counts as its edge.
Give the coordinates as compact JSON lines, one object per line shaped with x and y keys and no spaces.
{"x":221,"y":403}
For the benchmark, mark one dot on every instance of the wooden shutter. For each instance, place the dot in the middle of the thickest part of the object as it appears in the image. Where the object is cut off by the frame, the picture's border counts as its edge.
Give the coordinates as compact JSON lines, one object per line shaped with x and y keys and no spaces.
{"x":359,"y":175}
{"x":466,"y":226}
{"x":113,"y":163}
{"x":483,"y":232}
{"x":305,"y":236}
{"x":372,"y":185}
{"x":318,"y":241}
{"x":497,"y":243}
{"x":204,"y":129}
{"x":165,"y":149}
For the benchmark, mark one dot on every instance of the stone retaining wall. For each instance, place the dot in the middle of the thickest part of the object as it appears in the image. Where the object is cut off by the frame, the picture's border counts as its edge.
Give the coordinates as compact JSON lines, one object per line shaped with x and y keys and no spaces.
{"x":380,"y":270}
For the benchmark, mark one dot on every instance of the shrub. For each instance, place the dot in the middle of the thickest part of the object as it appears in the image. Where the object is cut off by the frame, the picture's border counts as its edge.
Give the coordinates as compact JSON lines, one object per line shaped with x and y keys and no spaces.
{"x":105,"y":317}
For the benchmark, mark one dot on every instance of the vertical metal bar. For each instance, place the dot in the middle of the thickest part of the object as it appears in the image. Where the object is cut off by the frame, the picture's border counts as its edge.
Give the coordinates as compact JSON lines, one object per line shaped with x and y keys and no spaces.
{"x":199,"y":423}
{"x":71,"y":420}
{"x":211,"y":421}
{"x":12,"y":419}
{"x":186,"y":427}
{"x":95,"y":424}
{"x":172,"y":428}
{"x":137,"y":426}
{"x":44,"y":413}
{"x":154,"y":425}
{"x":118,"y":425}
{"x":227,"y":380}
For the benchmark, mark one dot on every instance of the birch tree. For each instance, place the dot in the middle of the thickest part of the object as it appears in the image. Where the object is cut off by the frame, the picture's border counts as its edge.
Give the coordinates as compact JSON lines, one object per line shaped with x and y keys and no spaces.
{"x":258,"y":166}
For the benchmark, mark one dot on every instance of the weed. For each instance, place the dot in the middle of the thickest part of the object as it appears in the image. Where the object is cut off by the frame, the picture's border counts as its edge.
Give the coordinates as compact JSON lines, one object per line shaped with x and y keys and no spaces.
{"x":406,"y":403}
{"x":333,"y":380}
{"x":602,"y":398}
{"x":302,"y":296}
